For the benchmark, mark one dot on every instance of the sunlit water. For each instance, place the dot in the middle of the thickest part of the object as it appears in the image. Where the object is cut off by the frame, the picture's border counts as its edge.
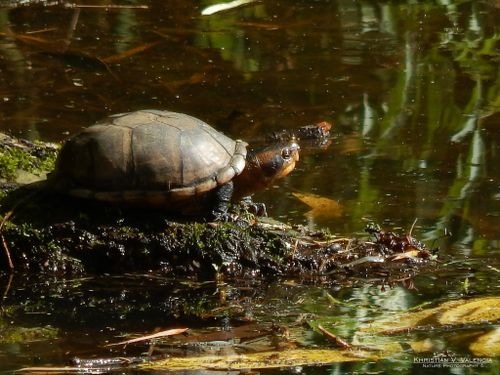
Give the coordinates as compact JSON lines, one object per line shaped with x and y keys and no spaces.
{"x":413,"y":91}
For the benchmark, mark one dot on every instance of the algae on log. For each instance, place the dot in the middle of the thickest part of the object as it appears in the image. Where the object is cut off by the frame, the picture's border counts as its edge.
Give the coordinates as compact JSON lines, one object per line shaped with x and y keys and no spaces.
{"x":46,"y":232}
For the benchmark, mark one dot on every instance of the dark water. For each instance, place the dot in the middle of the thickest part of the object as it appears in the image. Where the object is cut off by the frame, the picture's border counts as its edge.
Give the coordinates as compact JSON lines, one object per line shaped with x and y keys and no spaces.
{"x":413,"y":91}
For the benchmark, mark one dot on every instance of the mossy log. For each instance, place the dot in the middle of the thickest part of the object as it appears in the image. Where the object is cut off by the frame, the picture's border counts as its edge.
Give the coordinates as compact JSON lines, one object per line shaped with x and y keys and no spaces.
{"x":49,"y":233}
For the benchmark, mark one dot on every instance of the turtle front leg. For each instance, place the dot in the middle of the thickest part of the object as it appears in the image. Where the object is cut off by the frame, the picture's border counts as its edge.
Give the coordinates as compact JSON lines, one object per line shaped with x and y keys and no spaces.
{"x":222,"y":199}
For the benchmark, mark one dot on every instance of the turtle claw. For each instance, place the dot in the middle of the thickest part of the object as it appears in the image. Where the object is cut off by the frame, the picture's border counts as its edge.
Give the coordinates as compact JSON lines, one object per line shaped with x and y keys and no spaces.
{"x":258,"y":209}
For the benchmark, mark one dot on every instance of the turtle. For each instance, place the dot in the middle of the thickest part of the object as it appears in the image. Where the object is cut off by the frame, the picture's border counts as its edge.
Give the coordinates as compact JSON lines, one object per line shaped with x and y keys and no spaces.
{"x":167,"y":160}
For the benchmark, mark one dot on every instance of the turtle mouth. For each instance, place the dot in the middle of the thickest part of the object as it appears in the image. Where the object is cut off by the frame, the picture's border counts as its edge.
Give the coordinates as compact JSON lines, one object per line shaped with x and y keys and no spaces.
{"x":287,"y":168}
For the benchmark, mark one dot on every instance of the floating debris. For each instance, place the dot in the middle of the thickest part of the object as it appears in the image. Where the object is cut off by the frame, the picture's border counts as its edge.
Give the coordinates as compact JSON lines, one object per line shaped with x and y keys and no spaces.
{"x":223,"y":7}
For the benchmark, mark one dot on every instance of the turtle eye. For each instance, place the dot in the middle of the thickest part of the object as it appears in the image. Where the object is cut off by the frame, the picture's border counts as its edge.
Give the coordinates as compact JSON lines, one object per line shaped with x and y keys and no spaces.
{"x":286,"y":153}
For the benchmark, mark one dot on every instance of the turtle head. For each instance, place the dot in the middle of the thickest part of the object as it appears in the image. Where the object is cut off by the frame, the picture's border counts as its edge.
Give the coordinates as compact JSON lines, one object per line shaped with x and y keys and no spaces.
{"x":266,"y":165}
{"x":278,"y":160}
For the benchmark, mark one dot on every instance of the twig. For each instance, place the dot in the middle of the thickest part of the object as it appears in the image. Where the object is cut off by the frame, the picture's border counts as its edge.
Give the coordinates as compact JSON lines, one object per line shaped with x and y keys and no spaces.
{"x":7,"y":252}
{"x":347,"y":246}
{"x":7,"y":287}
{"x":128,"y":53}
{"x":47,"y":29}
{"x":223,"y":7}
{"x":4,"y":243}
{"x":109,"y":6}
{"x":168,"y":332}
{"x":413,"y":226}
{"x":71,"y":28}
{"x":337,"y":340}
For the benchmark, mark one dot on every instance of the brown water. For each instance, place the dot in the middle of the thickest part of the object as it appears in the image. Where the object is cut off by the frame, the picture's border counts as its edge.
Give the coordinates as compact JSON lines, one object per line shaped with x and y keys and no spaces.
{"x":413,"y":91}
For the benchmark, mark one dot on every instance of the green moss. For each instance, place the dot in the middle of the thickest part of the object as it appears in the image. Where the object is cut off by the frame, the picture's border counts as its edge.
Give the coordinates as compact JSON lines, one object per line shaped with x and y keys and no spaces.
{"x":11,"y":160}
{"x":47,"y":161}
{"x":9,"y":335}
{"x":194,"y":239}
{"x":37,"y":160}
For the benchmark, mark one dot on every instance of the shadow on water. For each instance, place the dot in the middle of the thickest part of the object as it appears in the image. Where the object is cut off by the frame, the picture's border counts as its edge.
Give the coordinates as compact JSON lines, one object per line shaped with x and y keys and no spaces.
{"x":412,"y":90}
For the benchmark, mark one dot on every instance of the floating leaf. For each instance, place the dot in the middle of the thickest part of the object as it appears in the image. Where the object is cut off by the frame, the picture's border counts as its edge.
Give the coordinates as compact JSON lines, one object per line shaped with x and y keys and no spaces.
{"x":475,"y":311}
{"x":244,"y":332}
{"x":399,"y":323}
{"x":320,"y":206}
{"x":487,"y":345}
{"x":423,"y":346}
{"x":271,"y":359}
{"x":458,"y":312}
{"x":411,"y":254}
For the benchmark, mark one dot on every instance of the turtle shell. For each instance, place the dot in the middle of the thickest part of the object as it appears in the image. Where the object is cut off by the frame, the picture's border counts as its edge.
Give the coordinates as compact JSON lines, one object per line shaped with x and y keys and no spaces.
{"x":148,"y":157}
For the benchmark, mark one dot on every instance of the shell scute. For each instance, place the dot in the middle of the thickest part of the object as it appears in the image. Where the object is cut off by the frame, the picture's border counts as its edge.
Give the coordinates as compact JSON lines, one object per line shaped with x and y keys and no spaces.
{"x":148,"y":157}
